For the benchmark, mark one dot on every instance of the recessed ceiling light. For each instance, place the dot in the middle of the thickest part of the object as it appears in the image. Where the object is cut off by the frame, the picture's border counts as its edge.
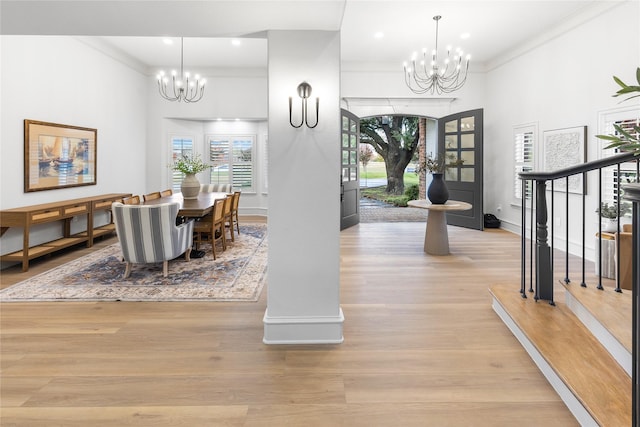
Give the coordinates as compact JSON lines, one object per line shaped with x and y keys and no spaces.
{"x":378,"y":35}
{"x":465,"y":36}
{"x":236,"y":42}
{"x":167,"y":41}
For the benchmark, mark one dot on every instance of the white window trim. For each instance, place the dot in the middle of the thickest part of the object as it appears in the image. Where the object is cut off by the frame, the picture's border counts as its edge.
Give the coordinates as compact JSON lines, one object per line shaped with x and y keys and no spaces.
{"x":518,"y":129}
{"x":606,"y":119}
{"x":173,"y":136}
{"x":230,"y":138}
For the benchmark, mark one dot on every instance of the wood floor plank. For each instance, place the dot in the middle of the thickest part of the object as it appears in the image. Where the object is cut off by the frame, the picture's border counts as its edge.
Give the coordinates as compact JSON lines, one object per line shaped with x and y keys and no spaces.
{"x":422,"y":347}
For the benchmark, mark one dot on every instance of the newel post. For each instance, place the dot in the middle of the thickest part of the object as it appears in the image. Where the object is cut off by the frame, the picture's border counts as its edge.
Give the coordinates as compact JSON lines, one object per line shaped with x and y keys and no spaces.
{"x":544,"y":275}
{"x":632,"y":194}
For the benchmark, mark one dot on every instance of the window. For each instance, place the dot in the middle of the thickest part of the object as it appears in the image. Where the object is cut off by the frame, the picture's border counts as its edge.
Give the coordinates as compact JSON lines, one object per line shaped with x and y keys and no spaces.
{"x":180,"y":146}
{"x":232,"y":160}
{"x":524,"y":138}
{"x":611,"y":177}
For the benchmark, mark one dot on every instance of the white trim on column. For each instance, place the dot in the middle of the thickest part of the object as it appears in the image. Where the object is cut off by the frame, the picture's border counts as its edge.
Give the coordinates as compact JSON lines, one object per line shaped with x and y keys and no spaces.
{"x":303,"y":330}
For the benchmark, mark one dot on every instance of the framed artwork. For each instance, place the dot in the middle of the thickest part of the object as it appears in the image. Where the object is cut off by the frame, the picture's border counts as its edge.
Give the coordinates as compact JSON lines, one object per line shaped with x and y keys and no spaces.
{"x":564,"y":148}
{"x":58,"y":156}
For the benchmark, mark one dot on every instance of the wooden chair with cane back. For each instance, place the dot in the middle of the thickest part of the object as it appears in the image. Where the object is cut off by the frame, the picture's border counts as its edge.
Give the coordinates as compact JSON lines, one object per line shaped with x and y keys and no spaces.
{"x":152,"y":196}
{"x":133,"y":200}
{"x":211,"y":228}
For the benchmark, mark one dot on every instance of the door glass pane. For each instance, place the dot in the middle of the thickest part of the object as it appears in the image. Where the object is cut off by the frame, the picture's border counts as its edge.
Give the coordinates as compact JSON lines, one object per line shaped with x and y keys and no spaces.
{"x":467,"y":174}
{"x":467,"y":123}
{"x":468,"y":158}
{"x":451,"y":126}
{"x":352,"y":128}
{"x":345,"y":157}
{"x":354,"y":174}
{"x":451,"y":174}
{"x":354,"y":141}
{"x":353,"y":158}
{"x":345,"y":123}
{"x":452,"y":156}
{"x":467,"y":140}
{"x":451,"y":141}
{"x":345,"y":140}
{"x":345,"y":174}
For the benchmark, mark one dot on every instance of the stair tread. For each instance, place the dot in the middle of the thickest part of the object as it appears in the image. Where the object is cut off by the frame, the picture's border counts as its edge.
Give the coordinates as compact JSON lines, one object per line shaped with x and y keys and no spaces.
{"x":571,"y":350}
{"x":612,"y":309}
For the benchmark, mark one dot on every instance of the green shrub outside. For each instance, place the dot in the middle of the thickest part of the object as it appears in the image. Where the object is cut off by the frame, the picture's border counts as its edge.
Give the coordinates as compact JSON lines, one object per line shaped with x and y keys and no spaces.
{"x":412,"y":192}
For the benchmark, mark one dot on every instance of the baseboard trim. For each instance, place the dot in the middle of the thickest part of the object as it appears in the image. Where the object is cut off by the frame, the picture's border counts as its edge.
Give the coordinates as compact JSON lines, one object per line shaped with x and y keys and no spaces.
{"x":303,"y":330}
{"x":567,"y":396}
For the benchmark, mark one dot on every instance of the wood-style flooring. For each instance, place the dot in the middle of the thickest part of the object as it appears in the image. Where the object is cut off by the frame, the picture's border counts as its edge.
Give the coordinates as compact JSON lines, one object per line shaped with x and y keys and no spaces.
{"x":422,"y":347}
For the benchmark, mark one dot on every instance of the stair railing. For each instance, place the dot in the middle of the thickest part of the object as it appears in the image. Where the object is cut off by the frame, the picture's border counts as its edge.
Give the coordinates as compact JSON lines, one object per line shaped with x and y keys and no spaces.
{"x":538,"y":272}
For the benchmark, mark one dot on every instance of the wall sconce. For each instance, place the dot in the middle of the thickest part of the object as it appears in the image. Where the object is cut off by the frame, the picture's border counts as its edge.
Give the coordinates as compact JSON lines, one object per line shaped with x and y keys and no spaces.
{"x":304,"y":92}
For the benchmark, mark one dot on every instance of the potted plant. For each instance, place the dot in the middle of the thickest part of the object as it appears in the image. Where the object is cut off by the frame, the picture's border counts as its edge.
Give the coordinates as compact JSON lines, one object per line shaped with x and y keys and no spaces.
{"x":609,"y":215}
{"x":437,"y":192}
{"x":625,"y":139}
{"x":190,"y":166}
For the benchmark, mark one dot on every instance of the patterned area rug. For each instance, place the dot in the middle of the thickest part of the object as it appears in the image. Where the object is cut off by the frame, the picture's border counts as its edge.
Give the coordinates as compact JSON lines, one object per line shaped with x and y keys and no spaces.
{"x":238,"y":274}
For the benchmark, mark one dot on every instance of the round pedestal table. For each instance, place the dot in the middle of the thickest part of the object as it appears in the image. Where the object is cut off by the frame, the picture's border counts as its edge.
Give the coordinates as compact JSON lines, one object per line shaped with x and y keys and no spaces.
{"x":436,"y":237}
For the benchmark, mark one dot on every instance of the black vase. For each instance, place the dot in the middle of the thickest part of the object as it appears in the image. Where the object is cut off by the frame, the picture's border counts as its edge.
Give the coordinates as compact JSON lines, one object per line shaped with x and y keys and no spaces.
{"x":437,"y":191}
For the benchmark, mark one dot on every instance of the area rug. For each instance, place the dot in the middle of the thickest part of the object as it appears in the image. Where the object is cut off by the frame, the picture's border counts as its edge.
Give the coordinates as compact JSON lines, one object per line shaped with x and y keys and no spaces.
{"x":237,"y":274}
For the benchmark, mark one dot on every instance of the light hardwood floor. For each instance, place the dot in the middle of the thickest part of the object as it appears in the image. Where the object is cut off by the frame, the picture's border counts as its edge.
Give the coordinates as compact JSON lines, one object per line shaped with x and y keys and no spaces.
{"x":422,"y":348}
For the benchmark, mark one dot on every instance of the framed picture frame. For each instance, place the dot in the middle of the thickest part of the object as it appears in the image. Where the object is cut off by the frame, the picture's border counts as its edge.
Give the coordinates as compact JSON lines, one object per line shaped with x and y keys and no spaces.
{"x":564,"y":148}
{"x":58,"y":156}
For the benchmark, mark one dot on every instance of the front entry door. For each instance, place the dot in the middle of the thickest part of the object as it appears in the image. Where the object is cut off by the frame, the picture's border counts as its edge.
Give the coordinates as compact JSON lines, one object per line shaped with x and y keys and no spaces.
{"x":461,"y":134}
{"x":349,"y":175}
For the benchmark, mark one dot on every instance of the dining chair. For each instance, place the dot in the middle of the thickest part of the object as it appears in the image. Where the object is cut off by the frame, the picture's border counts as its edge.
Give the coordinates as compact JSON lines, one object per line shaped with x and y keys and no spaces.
{"x":234,"y":211}
{"x":227,"y":214}
{"x":216,"y":188}
{"x":152,"y":196}
{"x":231,"y":216}
{"x":133,"y":200}
{"x":148,"y":234}
{"x":166,"y":193}
{"x":211,"y":228}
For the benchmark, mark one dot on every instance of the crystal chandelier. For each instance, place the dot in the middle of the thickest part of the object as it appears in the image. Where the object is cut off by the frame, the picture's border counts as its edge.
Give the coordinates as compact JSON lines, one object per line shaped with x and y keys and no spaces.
{"x":181,"y":87}
{"x":429,"y":75}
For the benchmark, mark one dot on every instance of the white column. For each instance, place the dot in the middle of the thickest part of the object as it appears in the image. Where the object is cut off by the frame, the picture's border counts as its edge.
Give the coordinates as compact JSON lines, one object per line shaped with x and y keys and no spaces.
{"x":304,"y":192}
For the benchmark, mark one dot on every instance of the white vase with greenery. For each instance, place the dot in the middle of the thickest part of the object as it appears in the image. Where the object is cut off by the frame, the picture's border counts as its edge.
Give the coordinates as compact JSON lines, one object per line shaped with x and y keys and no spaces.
{"x":190,"y":166}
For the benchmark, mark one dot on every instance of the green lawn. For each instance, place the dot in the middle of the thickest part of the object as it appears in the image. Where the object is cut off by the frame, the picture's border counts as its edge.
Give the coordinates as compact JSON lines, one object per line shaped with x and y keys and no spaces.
{"x":377,"y":170}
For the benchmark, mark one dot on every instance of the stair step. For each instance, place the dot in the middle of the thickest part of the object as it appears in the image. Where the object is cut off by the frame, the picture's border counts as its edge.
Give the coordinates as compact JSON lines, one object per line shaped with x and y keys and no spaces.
{"x":595,"y":388}
{"x":608,"y":315}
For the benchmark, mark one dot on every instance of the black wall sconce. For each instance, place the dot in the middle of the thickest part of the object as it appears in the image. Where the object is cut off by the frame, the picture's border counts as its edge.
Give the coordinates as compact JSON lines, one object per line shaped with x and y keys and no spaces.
{"x":304,"y":92}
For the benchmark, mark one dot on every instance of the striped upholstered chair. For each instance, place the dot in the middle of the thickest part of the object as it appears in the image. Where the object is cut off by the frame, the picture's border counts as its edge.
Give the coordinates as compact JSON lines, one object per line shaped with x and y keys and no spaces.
{"x":149,"y":234}
{"x":216,"y":188}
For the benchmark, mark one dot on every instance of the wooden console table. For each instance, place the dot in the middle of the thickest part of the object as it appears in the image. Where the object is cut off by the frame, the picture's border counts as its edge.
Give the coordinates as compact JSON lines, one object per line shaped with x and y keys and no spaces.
{"x":63,"y":211}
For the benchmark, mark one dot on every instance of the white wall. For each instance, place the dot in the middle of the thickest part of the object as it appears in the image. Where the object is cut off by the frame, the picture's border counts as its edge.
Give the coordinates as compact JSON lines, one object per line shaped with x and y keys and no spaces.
{"x":563,"y":83}
{"x":62,"y":80}
{"x":303,"y":303}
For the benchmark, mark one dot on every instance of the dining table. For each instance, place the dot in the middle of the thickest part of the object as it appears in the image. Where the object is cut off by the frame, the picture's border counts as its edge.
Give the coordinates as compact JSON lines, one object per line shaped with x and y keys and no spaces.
{"x":191,"y":208}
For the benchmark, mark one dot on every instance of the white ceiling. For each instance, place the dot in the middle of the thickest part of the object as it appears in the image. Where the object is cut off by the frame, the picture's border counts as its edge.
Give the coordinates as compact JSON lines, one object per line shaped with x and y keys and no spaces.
{"x":496,"y":29}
